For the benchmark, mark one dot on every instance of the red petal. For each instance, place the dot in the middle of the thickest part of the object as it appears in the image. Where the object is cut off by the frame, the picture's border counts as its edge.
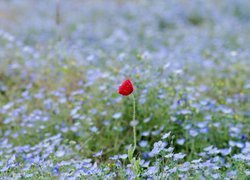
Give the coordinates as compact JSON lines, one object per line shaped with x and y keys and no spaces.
{"x":126,"y":88}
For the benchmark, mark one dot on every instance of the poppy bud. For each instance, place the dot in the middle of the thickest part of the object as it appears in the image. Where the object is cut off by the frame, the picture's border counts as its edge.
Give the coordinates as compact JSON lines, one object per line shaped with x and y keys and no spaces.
{"x":126,"y":88}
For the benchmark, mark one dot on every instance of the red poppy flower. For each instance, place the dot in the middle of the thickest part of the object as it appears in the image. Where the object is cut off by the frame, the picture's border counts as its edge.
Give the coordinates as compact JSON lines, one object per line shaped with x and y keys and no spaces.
{"x":126,"y":88}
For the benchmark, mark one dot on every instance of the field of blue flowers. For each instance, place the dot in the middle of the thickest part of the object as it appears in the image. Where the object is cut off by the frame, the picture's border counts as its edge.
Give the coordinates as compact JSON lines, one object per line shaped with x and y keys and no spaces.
{"x":62,"y":118}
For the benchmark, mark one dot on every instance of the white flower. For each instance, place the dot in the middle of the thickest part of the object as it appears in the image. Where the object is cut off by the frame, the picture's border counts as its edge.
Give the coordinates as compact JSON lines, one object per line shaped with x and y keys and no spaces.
{"x":165,"y":136}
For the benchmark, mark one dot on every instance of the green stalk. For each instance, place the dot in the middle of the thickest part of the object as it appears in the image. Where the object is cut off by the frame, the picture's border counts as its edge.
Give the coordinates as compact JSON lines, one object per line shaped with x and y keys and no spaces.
{"x":134,"y":127}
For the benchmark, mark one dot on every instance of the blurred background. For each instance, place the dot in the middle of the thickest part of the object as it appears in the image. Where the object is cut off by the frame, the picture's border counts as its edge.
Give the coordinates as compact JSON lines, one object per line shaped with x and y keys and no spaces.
{"x":61,"y":62}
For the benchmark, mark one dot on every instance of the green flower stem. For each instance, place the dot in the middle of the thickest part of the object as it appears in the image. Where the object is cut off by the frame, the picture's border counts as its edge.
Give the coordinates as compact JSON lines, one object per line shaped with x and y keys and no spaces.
{"x":134,"y":127}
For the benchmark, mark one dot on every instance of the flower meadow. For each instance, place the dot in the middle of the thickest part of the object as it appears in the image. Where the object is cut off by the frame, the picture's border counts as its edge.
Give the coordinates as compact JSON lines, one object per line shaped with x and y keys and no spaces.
{"x":184,"y":113}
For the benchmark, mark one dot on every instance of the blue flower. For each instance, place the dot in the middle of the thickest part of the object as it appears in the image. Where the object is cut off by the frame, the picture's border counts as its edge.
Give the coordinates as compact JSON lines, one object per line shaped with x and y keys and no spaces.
{"x":158,"y":147}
